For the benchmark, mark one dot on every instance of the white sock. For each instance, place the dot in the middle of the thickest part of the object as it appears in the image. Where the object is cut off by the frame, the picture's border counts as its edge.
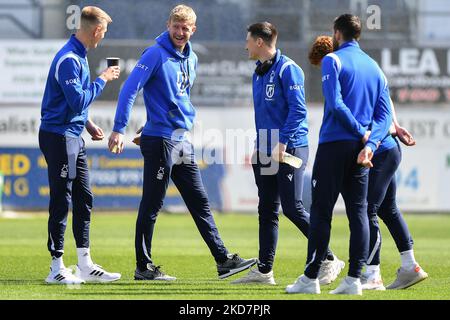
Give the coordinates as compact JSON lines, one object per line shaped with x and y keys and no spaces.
{"x":373,"y":270}
{"x":84,"y":257}
{"x":408,"y":260}
{"x":57,"y":263}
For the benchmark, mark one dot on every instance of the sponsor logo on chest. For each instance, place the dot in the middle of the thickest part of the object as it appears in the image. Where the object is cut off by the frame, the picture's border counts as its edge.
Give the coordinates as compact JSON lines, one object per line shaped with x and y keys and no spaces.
{"x":270,"y":87}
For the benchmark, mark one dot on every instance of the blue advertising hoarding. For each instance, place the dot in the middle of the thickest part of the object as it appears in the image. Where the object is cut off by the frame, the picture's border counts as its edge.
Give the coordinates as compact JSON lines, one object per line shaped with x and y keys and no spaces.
{"x":116,"y":180}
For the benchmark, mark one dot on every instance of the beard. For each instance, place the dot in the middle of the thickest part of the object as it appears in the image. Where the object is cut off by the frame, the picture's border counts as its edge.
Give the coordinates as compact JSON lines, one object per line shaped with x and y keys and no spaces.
{"x":335,"y":44}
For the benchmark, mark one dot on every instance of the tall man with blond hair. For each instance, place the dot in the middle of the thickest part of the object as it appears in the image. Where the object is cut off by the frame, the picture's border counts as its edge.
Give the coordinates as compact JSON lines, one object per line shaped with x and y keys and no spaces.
{"x":166,"y":73}
{"x":64,"y":115}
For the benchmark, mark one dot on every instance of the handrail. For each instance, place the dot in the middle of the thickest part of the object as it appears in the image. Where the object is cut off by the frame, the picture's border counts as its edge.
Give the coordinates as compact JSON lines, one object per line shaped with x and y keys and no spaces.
{"x":34,"y":32}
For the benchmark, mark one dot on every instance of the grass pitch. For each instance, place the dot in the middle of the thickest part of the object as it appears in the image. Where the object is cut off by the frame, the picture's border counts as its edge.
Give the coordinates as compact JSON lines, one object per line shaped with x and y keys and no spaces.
{"x":177,"y":245}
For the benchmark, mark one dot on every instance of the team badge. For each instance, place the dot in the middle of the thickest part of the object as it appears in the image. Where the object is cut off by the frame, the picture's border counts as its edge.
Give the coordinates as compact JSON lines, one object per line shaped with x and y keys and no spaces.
{"x":270,"y":90}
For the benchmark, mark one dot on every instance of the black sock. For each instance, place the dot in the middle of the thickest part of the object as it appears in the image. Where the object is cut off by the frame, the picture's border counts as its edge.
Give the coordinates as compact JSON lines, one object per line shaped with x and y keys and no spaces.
{"x":263,"y":268}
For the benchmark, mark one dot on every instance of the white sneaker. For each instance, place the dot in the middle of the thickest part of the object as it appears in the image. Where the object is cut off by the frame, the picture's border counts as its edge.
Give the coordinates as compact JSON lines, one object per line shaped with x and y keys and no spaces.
{"x":255,"y":276}
{"x":96,"y":273}
{"x":348,"y":286}
{"x":408,"y":278}
{"x":63,"y":276}
{"x":372,"y":281}
{"x":304,"y":285}
{"x":330,"y":270}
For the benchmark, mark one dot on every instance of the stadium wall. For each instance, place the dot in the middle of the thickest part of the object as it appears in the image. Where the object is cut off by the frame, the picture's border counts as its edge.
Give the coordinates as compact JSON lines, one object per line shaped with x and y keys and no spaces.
{"x":419,"y":78}
{"x":422,"y":178}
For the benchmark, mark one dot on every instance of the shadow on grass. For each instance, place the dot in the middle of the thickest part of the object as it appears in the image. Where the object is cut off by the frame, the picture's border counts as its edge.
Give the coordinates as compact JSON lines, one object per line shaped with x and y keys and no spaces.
{"x":22,"y":282}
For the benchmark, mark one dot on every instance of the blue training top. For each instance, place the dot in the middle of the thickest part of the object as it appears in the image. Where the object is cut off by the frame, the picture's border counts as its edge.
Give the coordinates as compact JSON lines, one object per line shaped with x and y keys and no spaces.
{"x":68,"y":91}
{"x":279,"y":102}
{"x":356,"y":97}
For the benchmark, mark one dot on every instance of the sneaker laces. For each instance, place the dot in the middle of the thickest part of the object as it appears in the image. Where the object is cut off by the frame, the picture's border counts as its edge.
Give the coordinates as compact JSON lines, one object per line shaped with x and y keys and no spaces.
{"x":335,"y":266}
{"x":235,"y":257}
{"x":326,"y":267}
{"x":157,"y":269}
{"x":66,"y":271}
{"x":98,"y":268}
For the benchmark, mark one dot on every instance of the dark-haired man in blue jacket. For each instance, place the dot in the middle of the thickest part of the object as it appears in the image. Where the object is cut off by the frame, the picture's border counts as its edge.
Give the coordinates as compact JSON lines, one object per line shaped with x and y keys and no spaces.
{"x":282,"y":130}
{"x":166,"y":73}
{"x":356,"y":100}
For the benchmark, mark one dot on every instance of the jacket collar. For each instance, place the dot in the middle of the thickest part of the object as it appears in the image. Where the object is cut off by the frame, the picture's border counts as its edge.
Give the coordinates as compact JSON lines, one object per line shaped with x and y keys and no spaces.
{"x":79,"y":47}
{"x":351,"y":43}
{"x":164,"y":40}
{"x":277,"y":58}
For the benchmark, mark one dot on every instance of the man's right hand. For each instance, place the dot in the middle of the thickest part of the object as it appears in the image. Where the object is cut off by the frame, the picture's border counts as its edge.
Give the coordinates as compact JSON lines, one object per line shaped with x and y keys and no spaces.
{"x":110,"y":74}
{"x":115,"y":143}
{"x":405,"y":136}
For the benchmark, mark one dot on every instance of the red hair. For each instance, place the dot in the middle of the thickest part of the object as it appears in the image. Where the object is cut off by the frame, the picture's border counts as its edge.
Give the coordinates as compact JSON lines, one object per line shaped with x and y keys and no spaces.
{"x":322,"y":46}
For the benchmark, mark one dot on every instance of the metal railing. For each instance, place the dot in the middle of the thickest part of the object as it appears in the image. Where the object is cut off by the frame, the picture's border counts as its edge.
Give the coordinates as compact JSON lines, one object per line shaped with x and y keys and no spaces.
{"x":12,"y":11}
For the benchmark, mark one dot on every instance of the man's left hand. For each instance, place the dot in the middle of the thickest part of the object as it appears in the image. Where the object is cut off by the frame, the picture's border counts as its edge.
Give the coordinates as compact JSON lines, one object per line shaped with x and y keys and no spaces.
{"x":95,"y":131}
{"x":365,"y":157}
{"x":137,"y":139}
{"x":278,"y":152}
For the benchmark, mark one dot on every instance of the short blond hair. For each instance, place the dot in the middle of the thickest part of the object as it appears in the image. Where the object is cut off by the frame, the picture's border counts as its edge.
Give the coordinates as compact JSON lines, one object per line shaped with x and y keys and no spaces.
{"x":91,"y":16}
{"x":183,"y":13}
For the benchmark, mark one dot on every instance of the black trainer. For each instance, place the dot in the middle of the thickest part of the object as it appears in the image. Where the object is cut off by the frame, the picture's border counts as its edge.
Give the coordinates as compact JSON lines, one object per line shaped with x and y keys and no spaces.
{"x":152,"y":272}
{"x":234,"y":264}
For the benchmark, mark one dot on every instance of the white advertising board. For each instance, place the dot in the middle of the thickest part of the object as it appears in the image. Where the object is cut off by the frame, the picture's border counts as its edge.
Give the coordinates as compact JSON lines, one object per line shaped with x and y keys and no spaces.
{"x":422,"y":179}
{"x":25,"y":68}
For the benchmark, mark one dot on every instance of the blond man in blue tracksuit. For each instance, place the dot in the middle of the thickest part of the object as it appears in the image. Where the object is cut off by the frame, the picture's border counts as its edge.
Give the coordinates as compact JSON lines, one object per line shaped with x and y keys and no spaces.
{"x":166,"y":73}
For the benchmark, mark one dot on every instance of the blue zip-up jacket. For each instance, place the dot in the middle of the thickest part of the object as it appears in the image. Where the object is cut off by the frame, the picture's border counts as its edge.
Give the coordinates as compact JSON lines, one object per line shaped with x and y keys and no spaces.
{"x":356,"y":97}
{"x":279,"y":102}
{"x":388,"y":142}
{"x":167,"y":76}
{"x":68,"y":91}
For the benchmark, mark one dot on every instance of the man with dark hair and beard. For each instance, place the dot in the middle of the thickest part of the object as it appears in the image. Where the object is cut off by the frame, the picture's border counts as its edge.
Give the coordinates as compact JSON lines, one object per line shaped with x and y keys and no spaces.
{"x":357,"y":116}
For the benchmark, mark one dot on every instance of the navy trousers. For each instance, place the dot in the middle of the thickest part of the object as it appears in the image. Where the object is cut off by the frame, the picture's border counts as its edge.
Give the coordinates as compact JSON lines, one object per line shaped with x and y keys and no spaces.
{"x":164,"y":159}
{"x":382,"y":202}
{"x":68,"y":178}
{"x":283,"y":186}
{"x":336,"y":172}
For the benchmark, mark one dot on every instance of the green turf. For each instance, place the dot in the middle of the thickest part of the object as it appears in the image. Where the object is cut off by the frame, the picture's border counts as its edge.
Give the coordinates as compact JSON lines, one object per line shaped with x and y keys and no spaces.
{"x":24,"y":261}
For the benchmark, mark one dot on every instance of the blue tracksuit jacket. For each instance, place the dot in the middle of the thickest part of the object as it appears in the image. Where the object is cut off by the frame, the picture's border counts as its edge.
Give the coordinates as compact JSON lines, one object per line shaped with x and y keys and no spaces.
{"x":279,"y":102}
{"x":68,"y":91}
{"x":356,"y":97}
